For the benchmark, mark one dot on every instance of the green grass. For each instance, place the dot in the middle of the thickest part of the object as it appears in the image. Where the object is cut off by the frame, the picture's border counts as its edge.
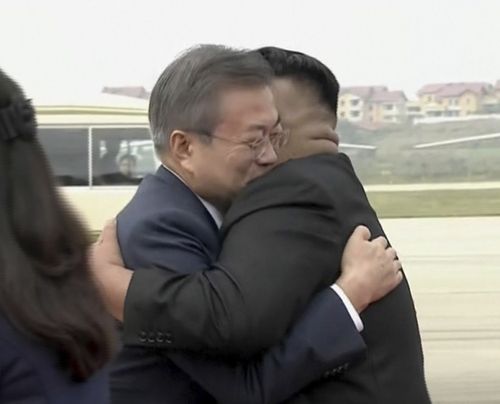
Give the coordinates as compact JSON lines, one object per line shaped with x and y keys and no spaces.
{"x":452,"y":203}
{"x":436,"y":203}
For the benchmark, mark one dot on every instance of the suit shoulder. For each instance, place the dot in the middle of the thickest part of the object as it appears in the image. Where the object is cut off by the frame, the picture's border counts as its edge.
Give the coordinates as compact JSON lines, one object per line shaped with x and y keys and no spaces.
{"x":308,"y":172}
{"x":163,"y":203}
{"x":320,"y":164}
{"x":290,"y":184}
{"x":165,"y":222}
{"x":164,"y":235}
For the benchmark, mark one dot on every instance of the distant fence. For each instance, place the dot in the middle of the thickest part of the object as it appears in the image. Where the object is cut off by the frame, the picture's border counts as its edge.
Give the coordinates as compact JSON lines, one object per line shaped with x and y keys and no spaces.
{"x":444,"y":119}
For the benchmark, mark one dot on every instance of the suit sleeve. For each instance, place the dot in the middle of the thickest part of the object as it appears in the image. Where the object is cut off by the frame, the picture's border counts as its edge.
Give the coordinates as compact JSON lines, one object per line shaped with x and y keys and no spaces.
{"x":175,"y":299}
{"x":304,"y":356}
{"x":281,"y":256}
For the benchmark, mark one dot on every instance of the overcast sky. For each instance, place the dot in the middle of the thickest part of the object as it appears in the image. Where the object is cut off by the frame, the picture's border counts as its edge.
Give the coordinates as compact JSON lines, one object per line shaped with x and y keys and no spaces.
{"x":56,"y":47}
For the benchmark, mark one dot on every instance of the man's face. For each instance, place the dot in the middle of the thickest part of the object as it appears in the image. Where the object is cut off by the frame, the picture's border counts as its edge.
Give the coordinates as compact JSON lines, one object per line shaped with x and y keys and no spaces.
{"x":127,"y":167}
{"x":310,"y":122}
{"x":223,"y":166}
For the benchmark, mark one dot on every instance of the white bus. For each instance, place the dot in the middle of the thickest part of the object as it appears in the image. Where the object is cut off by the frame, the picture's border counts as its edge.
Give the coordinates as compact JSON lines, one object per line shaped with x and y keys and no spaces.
{"x":98,"y":156}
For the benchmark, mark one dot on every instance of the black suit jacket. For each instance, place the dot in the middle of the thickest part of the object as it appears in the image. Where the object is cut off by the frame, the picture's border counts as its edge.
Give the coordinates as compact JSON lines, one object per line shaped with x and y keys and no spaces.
{"x":393,"y":371}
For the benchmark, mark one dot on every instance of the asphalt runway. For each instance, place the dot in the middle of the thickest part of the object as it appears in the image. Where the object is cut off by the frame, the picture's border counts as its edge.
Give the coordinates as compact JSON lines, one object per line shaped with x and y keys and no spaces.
{"x":453,"y":266}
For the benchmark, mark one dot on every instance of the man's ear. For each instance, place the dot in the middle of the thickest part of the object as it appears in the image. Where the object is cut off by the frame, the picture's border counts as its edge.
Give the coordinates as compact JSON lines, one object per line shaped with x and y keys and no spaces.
{"x":181,"y":148}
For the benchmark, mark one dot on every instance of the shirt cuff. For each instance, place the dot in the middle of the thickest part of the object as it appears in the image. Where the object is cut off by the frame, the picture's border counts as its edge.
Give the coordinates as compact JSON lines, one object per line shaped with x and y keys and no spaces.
{"x":348,"y":305}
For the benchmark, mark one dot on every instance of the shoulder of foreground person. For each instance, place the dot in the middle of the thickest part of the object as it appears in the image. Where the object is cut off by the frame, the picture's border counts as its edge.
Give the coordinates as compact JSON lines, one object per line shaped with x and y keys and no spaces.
{"x":30,"y":373}
{"x":18,"y":378}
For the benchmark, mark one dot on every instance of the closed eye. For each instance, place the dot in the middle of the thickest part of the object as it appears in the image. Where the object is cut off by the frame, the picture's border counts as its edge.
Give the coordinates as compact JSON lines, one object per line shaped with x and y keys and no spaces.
{"x":255,"y":144}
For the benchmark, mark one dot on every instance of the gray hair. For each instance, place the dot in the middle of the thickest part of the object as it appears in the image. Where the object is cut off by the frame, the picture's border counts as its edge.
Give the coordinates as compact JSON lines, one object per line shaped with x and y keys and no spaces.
{"x":185,"y":95}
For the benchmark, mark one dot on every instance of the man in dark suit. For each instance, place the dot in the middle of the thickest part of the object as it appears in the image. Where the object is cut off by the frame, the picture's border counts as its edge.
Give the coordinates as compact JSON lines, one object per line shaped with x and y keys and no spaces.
{"x":315,"y":179}
{"x":306,"y":96}
{"x":172,"y":227}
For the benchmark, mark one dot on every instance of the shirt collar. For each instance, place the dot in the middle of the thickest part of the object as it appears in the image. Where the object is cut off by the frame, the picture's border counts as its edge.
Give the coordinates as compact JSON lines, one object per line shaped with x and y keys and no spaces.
{"x":214,"y":212}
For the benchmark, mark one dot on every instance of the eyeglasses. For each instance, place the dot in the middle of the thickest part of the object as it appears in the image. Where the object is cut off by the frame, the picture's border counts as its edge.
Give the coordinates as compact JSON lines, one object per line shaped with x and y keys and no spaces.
{"x":277,"y":140}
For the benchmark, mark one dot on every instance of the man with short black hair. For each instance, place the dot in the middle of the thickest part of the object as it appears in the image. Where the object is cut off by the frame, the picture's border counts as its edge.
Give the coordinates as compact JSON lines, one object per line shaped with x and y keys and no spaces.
{"x":306,"y":93}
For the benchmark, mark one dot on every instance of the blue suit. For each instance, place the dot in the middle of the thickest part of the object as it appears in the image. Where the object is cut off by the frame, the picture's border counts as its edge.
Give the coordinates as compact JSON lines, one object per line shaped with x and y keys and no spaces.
{"x":30,"y":374}
{"x":166,"y":226}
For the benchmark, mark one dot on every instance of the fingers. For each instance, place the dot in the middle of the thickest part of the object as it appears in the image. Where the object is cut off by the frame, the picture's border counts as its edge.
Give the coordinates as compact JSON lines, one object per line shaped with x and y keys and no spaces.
{"x":110,"y":227}
{"x":100,"y":239}
{"x":399,"y":277}
{"x":362,"y":232}
{"x":382,"y":241}
{"x":109,"y":231}
{"x":391,"y":253}
{"x":397,"y":265}
{"x":106,"y":251}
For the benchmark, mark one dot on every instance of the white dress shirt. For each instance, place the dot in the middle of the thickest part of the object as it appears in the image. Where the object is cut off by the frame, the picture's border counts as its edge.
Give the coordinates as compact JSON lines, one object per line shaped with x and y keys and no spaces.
{"x":217,"y":216}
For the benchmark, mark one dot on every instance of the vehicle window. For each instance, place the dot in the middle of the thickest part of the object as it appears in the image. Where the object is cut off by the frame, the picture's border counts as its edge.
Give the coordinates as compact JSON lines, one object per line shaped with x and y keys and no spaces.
{"x":67,"y":151}
{"x":121,"y":156}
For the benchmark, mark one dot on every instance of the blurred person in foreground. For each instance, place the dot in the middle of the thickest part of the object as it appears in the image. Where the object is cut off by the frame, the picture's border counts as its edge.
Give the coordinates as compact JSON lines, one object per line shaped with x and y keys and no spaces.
{"x":56,"y":337}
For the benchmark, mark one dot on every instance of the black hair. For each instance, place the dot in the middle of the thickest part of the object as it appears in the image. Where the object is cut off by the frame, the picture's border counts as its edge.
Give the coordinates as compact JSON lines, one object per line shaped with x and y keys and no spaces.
{"x":297,"y":65}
